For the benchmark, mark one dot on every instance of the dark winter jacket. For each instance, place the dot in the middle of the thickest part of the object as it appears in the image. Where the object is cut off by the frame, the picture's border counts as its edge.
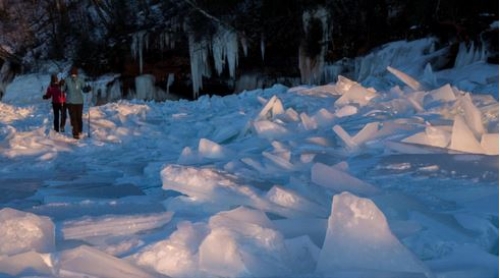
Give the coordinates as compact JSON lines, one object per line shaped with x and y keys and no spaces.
{"x":54,"y":91}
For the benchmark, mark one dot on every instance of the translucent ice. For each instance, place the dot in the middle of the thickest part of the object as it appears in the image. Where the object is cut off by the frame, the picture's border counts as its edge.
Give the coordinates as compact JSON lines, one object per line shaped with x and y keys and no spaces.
{"x":181,"y":260}
{"x":113,"y":225}
{"x":243,"y":242}
{"x":290,"y":199}
{"x":472,"y":115}
{"x":272,"y":108}
{"x":432,"y":136}
{"x":463,"y":139}
{"x":356,"y":94}
{"x":333,"y":178}
{"x":145,"y":88}
{"x":269,"y":130}
{"x":445,"y":93}
{"x":85,"y":261}
{"x":408,"y":80}
{"x":358,"y":238}
{"x":30,"y":262}
{"x":210,"y":149}
{"x":21,"y":232}
{"x":489,"y":142}
{"x":356,"y":141}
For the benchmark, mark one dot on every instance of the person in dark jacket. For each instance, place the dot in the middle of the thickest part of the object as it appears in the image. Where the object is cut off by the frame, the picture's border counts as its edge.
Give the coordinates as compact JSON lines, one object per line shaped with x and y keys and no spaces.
{"x":58,"y":103}
{"x":74,"y":87}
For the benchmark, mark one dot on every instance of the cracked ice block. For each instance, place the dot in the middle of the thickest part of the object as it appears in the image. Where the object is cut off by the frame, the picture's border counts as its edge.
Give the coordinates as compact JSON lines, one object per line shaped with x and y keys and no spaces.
{"x":358,"y":239}
{"x":29,"y":262}
{"x":489,"y":142}
{"x":21,"y":232}
{"x":243,"y":243}
{"x":338,"y":180}
{"x":463,"y":139}
{"x":86,"y":261}
{"x":210,"y":149}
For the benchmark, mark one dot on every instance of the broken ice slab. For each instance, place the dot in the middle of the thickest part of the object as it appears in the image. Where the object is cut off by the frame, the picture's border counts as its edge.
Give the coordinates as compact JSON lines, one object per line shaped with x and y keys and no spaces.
{"x":406,"y":79}
{"x":410,"y":148}
{"x":355,"y":142}
{"x":327,"y":90}
{"x":473,"y":116}
{"x":272,"y":108}
{"x":296,"y":202}
{"x":113,"y":225}
{"x":489,"y":142}
{"x":308,"y":123}
{"x":366,"y":133}
{"x":347,"y":110}
{"x":444,"y":93}
{"x":210,"y":149}
{"x":85,"y":261}
{"x":429,"y":78}
{"x":432,"y":136}
{"x":29,"y":263}
{"x":343,"y":84}
{"x":188,"y":156}
{"x":214,"y":188}
{"x":345,"y":137}
{"x":463,"y":138}
{"x":358,"y":238}
{"x":356,"y":94}
{"x":338,"y":180}
{"x":314,"y":228}
{"x":22,"y":232}
{"x":243,"y":242}
{"x":304,"y":254}
{"x":182,"y":247}
{"x":269,"y":130}
{"x":280,"y":161}
{"x":225,"y":133}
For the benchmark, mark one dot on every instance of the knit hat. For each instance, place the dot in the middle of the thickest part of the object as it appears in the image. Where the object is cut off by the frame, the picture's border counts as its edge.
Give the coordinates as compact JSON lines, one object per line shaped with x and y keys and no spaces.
{"x":74,"y":71}
{"x":53,"y":79}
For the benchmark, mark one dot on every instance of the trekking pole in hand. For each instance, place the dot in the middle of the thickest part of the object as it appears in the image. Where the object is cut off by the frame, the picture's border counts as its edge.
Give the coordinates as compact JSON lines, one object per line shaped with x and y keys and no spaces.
{"x":90,"y":89}
{"x":88,"y":117}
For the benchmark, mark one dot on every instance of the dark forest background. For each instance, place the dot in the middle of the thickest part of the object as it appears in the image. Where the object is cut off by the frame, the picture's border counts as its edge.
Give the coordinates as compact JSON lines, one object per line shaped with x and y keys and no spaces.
{"x":97,"y":35}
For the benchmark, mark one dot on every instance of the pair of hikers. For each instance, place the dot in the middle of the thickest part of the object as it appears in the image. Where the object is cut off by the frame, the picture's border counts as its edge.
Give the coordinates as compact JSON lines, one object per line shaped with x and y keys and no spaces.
{"x":67,"y":95}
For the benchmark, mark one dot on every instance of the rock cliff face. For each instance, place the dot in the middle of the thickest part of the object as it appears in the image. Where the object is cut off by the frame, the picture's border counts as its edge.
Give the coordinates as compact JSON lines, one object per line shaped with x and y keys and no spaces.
{"x":9,"y":67}
{"x":221,"y":47}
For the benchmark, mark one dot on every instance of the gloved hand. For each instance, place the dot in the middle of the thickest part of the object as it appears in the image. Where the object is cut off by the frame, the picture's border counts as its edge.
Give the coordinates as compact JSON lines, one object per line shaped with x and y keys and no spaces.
{"x":87,"y":89}
{"x":45,"y":97}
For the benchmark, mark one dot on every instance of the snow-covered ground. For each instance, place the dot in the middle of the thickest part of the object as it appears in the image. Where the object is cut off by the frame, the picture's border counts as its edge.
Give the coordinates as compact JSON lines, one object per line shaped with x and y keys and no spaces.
{"x":396,"y":176}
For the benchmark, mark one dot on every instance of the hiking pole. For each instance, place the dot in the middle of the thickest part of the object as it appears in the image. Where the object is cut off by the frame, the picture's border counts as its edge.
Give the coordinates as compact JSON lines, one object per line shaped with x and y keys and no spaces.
{"x":88,"y":117}
{"x":88,"y":113}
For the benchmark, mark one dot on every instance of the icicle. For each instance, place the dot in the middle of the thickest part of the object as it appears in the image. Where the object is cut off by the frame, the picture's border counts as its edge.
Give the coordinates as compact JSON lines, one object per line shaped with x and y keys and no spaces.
{"x":232,"y":52}
{"x":198,"y":54}
{"x":311,"y":67}
{"x":137,"y":47}
{"x":145,"y":88}
{"x":218,"y":51}
{"x":262,"y":47}
{"x":244,"y":45}
{"x":170,"y":81}
{"x":225,"y":49}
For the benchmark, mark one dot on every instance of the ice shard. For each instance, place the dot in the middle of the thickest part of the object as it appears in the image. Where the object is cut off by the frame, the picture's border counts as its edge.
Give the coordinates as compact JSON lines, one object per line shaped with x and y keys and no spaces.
{"x":359,"y":240}
{"x":22,"y":232}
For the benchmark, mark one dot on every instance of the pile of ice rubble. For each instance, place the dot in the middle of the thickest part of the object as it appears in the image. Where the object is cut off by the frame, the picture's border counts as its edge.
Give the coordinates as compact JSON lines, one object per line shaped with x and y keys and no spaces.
{"x":352,"y":238}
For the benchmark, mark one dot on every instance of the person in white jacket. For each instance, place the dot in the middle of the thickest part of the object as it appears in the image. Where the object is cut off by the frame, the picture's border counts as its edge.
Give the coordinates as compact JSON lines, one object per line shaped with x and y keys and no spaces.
{"x":75,"y":87}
